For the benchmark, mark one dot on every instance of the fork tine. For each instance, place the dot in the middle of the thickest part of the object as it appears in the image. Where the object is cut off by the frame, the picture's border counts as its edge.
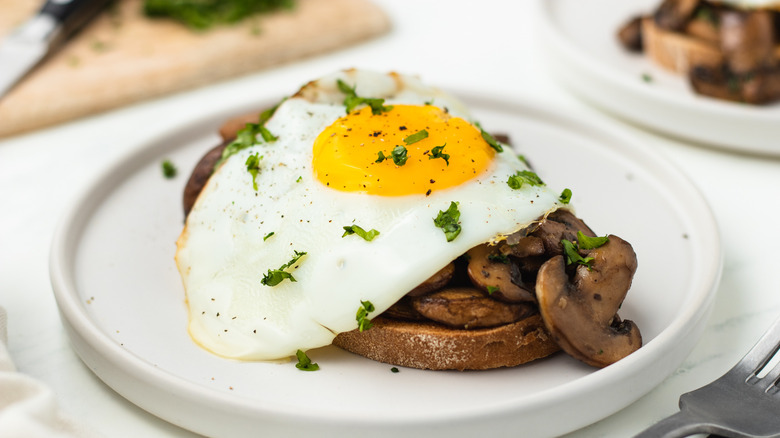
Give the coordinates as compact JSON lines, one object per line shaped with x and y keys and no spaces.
{"x":772,"y":380}
{"x":762,"y":352}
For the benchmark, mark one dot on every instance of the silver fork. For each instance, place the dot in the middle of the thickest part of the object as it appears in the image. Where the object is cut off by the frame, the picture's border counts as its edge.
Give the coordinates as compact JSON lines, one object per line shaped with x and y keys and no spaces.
{"x":743,"y":403}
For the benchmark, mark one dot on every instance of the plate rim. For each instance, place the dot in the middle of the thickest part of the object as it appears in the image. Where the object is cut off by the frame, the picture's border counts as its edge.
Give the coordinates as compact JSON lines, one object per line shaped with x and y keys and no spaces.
{"x":560,"y":50}
{"x":88,"y":340}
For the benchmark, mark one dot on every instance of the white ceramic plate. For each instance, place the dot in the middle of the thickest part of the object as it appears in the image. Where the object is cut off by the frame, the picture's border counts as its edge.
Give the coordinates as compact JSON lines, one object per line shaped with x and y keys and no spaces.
{"x":579,"y":43}
{"x":123,"y":306}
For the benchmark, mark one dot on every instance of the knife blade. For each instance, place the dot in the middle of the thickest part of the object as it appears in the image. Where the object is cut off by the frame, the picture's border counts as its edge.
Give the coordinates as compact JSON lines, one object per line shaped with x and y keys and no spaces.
{"x":27,"y":45}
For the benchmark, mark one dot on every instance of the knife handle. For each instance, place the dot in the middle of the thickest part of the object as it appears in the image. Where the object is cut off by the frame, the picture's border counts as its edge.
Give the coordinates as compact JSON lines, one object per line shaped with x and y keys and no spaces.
{"x":71,"y":14}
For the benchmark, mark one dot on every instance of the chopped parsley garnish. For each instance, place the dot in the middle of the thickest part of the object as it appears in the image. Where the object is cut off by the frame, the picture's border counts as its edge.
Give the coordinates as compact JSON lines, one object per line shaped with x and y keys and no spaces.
{"x":436,"y":152}
{"x":646,"y":77}
{"x":491,"y":289}
{"x":448,"y":221}
{"x":565,"y":197}
{"x":417,"y":136}
{"x":168,"y":169}
{"x":489,"y":139}
{"x":304,"y":363}
{"x":269,"y":112}
{"x":362,"y":315}
{"x":498,"y":258}
{"x":300,"y":178}
{"x":247,"y":136}
{"x":253,"y":167}
{"x":399,"y":155}
{"x":524,"y":177}
{"x":276,"y":276}
{"x":571,"y":249}
{"x":268,"y":235}
{"x":353,"y":100}
{"x":522,"y":158}
{"x":590,"y":242}
{"x":708,"y":15}
{"x":354,"y":229}
{"x":572,"y":254}
{"x":266,"y":134}
{"x":203,"y":14}
{"x":345,"y":88}
{"x":394,"y":370}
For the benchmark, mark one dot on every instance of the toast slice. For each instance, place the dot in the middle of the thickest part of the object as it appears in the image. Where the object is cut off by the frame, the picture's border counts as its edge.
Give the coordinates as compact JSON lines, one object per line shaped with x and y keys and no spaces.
{"x":432,"y":346}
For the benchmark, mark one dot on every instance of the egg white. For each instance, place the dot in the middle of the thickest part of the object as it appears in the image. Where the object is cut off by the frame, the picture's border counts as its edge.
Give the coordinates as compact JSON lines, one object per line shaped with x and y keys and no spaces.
{"x":222,"y":254}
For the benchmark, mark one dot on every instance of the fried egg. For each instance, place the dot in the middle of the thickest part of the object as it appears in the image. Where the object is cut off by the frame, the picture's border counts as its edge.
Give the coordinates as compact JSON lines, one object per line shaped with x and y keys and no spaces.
{"x":271,"y":260}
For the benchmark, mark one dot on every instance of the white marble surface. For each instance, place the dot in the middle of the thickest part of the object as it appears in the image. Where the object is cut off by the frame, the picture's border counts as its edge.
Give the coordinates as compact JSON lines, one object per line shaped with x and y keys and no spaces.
{"x":456,"y":45}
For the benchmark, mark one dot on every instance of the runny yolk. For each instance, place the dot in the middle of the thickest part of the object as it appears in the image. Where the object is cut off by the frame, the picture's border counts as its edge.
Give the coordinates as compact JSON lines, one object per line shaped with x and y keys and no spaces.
{"x":346,"y":154}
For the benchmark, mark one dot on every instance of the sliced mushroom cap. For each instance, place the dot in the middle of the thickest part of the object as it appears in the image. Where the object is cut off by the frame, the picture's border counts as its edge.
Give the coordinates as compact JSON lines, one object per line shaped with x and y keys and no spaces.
{"x":498,"y":278}
{"x":200,"y":174}
{"x":747,"y":39}
{"x":759,"y":88}
{"x":469,"y":308}
{"x":674,"y":14}
{"x":560,"y":224}
{"x":435,"y":281}
{"x":581,"y":313}
{"x":403,"y":310}
{"x":714,"y":82}
{"x":630,"y":35}
{"x":525,"y":247}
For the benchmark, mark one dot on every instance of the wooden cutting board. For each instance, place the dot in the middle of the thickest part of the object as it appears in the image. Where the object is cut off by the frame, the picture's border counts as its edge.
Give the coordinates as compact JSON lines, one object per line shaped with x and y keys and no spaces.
{"x":124,"y":57}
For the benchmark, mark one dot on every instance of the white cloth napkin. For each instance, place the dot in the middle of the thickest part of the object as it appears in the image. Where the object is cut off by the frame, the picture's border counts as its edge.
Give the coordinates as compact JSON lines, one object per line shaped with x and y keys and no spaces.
{"x":28,"y":408}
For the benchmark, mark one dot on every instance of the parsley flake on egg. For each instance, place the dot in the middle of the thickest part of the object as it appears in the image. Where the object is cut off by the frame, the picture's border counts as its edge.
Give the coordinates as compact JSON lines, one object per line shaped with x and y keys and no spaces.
{"x":276,"y":276}
{"x":399,"y":155}
{"x":448,"y":221}
{"x":436,"y":152}
{"x":247,"y":136}
{"x":490,"y":139}
{"x":517,"y":180}
{"x":417,"y":136}
{"x":354,"y":229}
{"x":352,"y":100}
{"x":253,"y":167}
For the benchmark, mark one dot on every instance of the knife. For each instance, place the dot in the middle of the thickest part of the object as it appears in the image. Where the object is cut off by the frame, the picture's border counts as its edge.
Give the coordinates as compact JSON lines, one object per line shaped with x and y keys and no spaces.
{"x":27,"y":45}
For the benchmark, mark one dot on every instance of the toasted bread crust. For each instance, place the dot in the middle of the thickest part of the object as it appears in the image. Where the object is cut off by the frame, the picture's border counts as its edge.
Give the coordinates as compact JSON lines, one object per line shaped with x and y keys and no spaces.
{"x":427,"y":345}
{"x":677,"y":51}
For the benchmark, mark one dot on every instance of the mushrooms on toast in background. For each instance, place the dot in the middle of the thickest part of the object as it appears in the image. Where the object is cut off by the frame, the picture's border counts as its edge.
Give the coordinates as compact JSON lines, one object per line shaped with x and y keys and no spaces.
{"x":727,"y":51}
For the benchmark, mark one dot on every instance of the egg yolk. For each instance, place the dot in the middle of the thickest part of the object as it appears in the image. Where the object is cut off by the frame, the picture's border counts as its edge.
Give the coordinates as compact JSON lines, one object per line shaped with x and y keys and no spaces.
{"x":356,"y":153}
